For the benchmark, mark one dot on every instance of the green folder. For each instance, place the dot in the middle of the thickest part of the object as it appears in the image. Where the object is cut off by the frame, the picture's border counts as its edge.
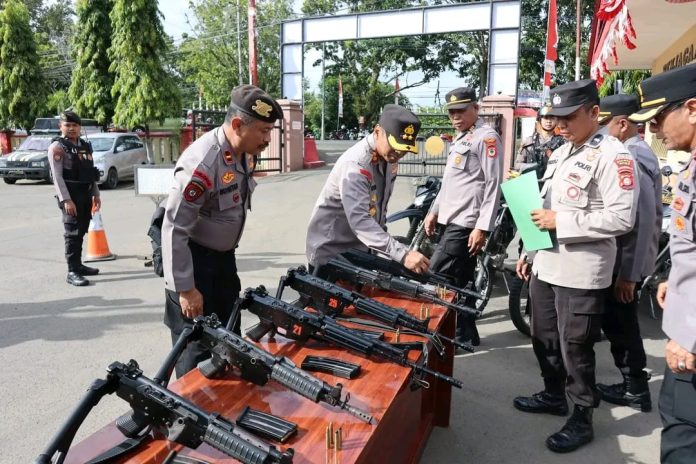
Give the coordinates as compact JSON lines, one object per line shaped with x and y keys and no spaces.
{"x":522,"y":196}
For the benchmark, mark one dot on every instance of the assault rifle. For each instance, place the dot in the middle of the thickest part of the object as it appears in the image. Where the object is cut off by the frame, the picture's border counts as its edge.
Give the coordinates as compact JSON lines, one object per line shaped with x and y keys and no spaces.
{"x":340,"y":269}
{"x":179,"y":419}
{"x":257,"y":365}
{"x":331,"y":299}
{"x":379,"y":263}
{"x":298,"y":324}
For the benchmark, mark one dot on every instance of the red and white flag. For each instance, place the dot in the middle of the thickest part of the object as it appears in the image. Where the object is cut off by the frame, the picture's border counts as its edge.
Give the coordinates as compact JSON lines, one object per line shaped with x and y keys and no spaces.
{"x":340,"y":98}
{"x":551,"y":49}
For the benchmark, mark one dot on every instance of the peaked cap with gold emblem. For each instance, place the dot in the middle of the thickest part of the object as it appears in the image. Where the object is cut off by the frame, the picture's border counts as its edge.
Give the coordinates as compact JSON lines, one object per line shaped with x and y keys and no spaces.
{"x":657,"y":92}
{"x":402,"y":127}
{"x":253,"y":101}
{"x":460,"y":98}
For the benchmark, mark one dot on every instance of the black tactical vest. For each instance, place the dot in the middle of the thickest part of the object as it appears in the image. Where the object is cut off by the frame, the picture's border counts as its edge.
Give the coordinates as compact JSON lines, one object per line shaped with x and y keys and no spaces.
{"x":83,"y":170}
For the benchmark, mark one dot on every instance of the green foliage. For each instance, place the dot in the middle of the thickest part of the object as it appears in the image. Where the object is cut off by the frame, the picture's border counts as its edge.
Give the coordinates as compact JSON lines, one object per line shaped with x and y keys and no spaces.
{"x":90,"y":89}
{"x":629,"y":82}
{"x":58,"y":101}
{"x":143,"y":89}
{"x":533,"y":42}
{"x":21,"y":86}
{"x":209,"y":60}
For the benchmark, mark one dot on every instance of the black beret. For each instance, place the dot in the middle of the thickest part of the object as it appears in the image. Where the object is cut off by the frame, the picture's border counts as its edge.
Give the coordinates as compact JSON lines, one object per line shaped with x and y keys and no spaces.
{"x":401,"y":126}
{"x":460,"y":98}
{"x":657,"y":92}
{"x":617,"y":105}
{"x":253,"y":101}
{"x":568,"y":98}
{"x":70,"y":116}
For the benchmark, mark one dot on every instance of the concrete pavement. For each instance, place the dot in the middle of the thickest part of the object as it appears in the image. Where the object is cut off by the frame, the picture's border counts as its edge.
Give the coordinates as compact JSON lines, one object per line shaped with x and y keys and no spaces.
{"x":55,"y":339}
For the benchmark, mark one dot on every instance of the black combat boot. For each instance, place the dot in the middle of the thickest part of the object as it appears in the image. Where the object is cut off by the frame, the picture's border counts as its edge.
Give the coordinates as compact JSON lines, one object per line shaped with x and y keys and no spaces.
{"x":543,"y":402}
{"x":89,"y":271}
{"x":76,"y":279}
{"x":576,"y":432}
{"x":633,"y":392}
{"x":467,"y":331}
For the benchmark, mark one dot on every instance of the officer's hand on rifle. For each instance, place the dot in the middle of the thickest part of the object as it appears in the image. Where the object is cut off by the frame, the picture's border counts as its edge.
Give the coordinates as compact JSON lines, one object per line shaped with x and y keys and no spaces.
{"x":416,"y":262}
{"x":191,"y":302}
{"x":430,"y":223}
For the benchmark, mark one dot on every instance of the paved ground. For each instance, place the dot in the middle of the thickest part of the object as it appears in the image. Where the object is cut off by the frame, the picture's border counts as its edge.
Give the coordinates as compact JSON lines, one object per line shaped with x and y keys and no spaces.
{"x":55,"y":339}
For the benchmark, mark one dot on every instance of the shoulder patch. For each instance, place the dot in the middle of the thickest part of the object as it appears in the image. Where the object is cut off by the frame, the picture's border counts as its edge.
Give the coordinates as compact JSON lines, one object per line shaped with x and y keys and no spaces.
{"x":57,"y":156}
{"x":204,"y":177}
{"x":491,"y":147}
{"x":625,"y":168}
{"x":596,"y":140}
{"x":193,"y":190}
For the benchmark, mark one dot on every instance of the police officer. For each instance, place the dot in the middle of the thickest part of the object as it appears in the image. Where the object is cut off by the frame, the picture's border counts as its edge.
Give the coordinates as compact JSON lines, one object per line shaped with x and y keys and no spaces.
{"x":668,"y":103}
{"x":635,"y":259}
{"x":74,"y":178}
{"x":537,"y":148}
{"x":205,"y":215}
{"x":467,"y":203}
{"x":590,"y":195}
{"x":351,"y":210}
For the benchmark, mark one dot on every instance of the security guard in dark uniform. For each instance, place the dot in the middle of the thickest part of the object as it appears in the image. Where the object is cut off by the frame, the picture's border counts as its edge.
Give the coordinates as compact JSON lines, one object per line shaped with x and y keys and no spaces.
{"x":668,"y":104}
{"x":467,"y":203}
{"x":205,"y":215}
{"x":635,"y":260}
{"x":590,"y":195}
{"x":537,"y":148}
{"x":351,"y":211}
{"x":75,"y":180}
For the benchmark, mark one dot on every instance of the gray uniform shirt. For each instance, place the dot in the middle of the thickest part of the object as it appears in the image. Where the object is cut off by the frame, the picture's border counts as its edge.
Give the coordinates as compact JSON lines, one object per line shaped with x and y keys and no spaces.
{"x":637,"y":250}
{"x":59,"y":160}
{"x":351,"y":210}
{"x":469,"y":194}
{"x":679,"y":316}
{"x":208,"y":204}
{"x":593,"y":190}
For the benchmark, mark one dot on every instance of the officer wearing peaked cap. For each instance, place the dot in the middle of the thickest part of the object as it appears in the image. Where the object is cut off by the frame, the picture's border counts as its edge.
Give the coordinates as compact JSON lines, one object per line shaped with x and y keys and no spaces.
{"x":467,"y":203}
{"x":635,"y":260}
{"x":75,"y":180}
{"x":351,"y":210}
{"x":590,"y":194}
{"x":205,"y":215}
{"x":668,"y":104}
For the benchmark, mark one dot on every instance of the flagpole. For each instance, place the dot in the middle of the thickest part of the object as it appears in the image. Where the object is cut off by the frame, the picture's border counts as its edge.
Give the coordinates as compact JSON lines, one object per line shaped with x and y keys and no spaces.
{"x":578,"y":39}
{"x":551,"y":50}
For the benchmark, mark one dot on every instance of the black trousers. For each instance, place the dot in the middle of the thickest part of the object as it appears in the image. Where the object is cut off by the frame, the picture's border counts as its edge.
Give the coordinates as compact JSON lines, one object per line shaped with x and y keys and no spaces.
{"x":620,"y":325}
{"x":453,"y":259}
{"x":566,"y":323}
{"x":678,"y":413}
{"x":76,"y":226}
{"x":215,"y":276}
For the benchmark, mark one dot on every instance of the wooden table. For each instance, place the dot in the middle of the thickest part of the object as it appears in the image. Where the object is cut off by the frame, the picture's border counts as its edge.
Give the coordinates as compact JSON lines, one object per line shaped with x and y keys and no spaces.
{"x":403,"y":417}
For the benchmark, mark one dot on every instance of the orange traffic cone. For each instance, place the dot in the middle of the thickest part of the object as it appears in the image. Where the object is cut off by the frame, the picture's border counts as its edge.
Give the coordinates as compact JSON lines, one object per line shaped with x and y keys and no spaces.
{"x":97,"y":246}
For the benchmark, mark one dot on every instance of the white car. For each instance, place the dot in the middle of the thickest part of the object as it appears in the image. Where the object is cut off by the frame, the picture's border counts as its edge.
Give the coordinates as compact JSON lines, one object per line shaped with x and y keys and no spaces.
{"x":115,"y":154}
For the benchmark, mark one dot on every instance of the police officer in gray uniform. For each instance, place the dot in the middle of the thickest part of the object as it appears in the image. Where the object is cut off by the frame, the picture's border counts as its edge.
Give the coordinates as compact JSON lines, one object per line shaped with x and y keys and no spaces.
{"x":75,"y":180}
{"x":205,"y":215}
{"x":590,"y":195}
{"x":351,"y":210}
{"x":635,"y":259}
{"x":668,"y":104}
{"x":467,"y":203}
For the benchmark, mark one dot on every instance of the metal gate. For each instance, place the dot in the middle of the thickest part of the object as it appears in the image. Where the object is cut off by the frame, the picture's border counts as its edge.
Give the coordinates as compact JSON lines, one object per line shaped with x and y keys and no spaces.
{"x":270,"y":160}
{"x":423,"y":164}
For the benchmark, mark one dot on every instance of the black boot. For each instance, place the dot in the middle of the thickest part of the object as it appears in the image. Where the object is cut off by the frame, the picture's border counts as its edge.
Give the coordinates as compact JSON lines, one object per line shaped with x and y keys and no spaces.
{"x":90,"y":271}
{"x":576,"y":432}
{"x":76,"y":279}
{"x":467,"y":331}
{"x":633,"y":392}
{"x":543,"y":402}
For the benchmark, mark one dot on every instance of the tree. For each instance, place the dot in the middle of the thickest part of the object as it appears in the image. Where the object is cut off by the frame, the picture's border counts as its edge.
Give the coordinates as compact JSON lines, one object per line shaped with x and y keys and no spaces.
{"x":629,"y":82}
{"x":143,"y":90}
{"x":209,"y":61}
{"x":90,"y":88}
{"x":21,"y":87}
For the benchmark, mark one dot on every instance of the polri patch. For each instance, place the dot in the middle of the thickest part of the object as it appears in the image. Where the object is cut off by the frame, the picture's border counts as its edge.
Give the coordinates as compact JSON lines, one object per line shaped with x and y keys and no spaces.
{"x":228,"y":177}
{"x":626,"y":175}
{"x":57,"y":157}
{"x":491,"y":148}
{"x":204,"y":177}
{"x":193,"y":190}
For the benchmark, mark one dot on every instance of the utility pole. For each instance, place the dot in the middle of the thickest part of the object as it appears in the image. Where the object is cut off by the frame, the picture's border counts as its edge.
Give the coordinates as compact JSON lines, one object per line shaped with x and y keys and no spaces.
{"x":253,"y":73}
{"x":239,"y":46}
{"x":323,"y":88}
{"x":578,"y":38}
